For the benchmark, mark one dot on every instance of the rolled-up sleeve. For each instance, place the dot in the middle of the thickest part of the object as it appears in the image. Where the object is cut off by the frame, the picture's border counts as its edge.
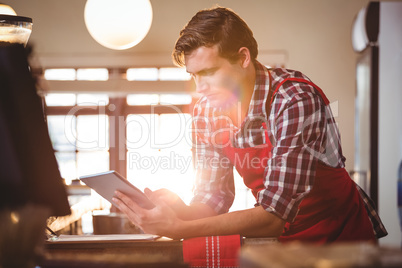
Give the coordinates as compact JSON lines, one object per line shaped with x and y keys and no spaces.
{"x":297,"y":127}
{"x":214,"y":185}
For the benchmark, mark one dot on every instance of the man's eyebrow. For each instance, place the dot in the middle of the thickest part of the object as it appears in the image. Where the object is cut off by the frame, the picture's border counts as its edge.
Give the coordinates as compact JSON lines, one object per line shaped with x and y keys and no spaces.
{"x":204,"y":71}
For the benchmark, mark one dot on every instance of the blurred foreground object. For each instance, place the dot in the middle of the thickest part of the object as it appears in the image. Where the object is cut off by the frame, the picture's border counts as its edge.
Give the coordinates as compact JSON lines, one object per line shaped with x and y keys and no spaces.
{"x":77,"y":211}
{"x":31,"y":188}
{"x":337,"y":255}
{"x":22,"y":236}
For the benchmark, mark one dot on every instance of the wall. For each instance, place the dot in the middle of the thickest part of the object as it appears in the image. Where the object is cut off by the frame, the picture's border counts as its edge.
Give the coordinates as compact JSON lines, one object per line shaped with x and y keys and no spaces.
{"x":312,"y":36}
{"x":390,"y":111}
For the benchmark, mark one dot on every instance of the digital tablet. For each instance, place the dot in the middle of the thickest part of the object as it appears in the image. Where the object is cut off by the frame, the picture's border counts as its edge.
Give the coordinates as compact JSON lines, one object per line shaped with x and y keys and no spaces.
{"x":107,"y":183}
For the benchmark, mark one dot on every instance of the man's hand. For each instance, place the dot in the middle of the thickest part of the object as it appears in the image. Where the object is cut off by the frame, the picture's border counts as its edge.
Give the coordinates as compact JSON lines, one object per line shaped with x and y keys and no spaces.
{"x":183,"y":211}
{"x":161,"y":220}
{"x":169,"y":198}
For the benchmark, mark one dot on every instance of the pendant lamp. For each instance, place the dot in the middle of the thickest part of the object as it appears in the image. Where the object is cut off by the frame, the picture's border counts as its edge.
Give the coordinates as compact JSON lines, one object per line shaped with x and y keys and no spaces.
{"x":7,"y":10}
{"x":13,"y":28}
{"x":118,"y":24}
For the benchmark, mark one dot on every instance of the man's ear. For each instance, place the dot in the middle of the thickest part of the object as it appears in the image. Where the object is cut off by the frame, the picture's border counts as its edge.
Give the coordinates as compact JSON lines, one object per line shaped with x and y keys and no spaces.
{"x":245,"y":58}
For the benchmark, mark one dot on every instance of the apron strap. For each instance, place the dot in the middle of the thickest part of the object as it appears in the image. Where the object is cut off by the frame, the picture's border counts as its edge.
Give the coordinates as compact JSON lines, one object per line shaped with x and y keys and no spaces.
{"x":326,"y":101}
{"x":270,"y":93}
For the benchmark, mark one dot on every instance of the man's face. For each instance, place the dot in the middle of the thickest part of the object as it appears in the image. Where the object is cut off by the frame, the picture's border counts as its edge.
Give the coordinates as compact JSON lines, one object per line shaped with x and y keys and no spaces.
{"x":215,"y":77}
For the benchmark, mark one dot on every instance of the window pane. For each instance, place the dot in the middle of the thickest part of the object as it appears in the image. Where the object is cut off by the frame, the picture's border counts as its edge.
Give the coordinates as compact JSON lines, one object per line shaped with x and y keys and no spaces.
{"x":96,"y":74}
{"x":139,"y":167}
{"x":175,"y":98}
{"x":60,"y":74}
{"x":62,"y":132}
{"x":92,"y":99}
{"x":93,"y":132}
{"x":157,"y":169}
{"x":173,"y":74}
{"x":142,"y":99}
{"x":142,"y":74}
{"x":92,"y":162}
{"x":60,"y":99}
{"x":175,"y":132}
{"x":139,"y":129}
{"x":67,"y":165}
{"x":165,"y":159}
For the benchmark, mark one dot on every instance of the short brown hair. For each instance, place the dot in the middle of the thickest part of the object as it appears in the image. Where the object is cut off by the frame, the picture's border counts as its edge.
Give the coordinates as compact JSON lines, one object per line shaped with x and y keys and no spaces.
{"x":217,"y":26}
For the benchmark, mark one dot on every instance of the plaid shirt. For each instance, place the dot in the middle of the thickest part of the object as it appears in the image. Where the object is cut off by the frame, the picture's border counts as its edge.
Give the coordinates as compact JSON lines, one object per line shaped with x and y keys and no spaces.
{"x":302,"y":131}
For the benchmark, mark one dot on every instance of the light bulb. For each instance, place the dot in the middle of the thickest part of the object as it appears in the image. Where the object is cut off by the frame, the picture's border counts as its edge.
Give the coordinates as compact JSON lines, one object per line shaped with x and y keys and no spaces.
{"x":118,"y":24}
{"x":7,"y":10}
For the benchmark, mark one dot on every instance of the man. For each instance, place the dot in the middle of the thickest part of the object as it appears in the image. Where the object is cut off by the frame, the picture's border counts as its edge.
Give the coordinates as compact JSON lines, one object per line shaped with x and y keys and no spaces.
{"x":276,"y":127}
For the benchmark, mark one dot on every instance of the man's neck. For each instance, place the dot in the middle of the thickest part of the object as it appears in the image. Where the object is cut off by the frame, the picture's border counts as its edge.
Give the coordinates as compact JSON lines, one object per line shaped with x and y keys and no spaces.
{"x":247,"y":93}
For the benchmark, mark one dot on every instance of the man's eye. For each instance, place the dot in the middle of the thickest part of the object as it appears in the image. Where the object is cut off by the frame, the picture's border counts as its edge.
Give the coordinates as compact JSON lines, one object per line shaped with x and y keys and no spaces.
{"x":209,"y":72}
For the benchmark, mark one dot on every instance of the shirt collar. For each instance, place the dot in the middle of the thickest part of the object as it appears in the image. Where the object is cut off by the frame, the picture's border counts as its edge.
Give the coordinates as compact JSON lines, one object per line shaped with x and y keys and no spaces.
{"x":261,"y":90}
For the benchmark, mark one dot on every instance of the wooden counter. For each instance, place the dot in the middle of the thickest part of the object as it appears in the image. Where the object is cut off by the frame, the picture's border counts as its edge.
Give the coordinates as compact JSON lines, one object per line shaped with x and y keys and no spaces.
{"x":163,"y":251}
{"x":256,"y":252}
{"x":118,"y":252}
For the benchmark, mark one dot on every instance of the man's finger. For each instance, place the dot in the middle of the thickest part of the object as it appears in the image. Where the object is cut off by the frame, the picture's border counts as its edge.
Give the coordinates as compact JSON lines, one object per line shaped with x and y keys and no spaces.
{"x":128,"y":201}
{"x":148,"y":192}
{"x":126,"y":210}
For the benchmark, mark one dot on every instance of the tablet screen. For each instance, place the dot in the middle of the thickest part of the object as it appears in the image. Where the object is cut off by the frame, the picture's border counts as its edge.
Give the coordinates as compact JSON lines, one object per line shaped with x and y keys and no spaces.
{"x":107,"y":183}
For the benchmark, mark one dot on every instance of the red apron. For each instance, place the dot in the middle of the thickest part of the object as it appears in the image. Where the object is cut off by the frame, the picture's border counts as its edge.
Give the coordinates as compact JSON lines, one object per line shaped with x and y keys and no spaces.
{"x":332,"y":211}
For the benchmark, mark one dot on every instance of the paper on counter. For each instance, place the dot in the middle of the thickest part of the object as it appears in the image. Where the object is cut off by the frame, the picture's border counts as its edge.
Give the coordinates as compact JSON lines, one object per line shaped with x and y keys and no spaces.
{"x":111,"y":237}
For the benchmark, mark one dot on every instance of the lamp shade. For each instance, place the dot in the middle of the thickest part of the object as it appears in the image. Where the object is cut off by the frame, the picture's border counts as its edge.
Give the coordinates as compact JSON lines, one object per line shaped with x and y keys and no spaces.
{"x":366,"y":27}
{"x":7,"y":10}
{"x":15,"y":29}
{"x":118,"y":24}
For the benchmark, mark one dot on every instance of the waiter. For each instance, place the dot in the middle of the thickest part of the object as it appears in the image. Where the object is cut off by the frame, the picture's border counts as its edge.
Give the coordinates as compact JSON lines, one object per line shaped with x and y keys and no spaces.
{"x":275,"y":126}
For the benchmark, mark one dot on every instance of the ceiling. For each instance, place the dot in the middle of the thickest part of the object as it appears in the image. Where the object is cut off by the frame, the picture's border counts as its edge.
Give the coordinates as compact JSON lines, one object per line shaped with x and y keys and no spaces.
{"x":313,"y":36}
{"x":60,"y":37}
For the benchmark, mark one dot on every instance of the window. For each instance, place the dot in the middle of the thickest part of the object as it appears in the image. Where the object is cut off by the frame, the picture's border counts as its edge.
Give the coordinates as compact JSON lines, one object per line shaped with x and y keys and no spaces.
{"x":65,"y":150}
{"x":173,"y":74}
{"x":83,"y":74}
{"x":60,"y":74}
{"x":62,"y":99}
{"x":154,"y":74}
{"x":142,"y":99}
{"x":175,"y":99}
{"x":142,"y":74}
{"x":159,"y":152}
{"x":80,"y":144}
{"x":82,"y":128}
{"x":92,"y":99}
{"x":95,"y":74}
{"x":145,"y":137}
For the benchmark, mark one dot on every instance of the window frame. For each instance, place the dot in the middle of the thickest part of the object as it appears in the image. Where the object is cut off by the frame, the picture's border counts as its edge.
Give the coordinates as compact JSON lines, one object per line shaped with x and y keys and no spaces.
{"x":117,"y":108}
